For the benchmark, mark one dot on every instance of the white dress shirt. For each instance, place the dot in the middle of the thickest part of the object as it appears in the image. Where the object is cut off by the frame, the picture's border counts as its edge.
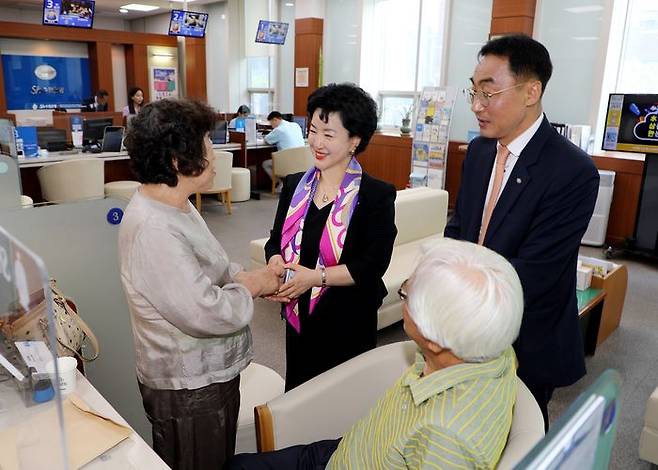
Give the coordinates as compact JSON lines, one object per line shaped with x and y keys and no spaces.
{"x":515,"y":148}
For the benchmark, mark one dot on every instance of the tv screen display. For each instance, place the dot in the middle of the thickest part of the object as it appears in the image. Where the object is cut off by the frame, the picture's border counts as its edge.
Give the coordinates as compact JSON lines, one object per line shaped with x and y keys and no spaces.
{"x":631,"y":123}
{"x":72,"y":13}
{"x":188,"y":23}
{"x":271,"y":32}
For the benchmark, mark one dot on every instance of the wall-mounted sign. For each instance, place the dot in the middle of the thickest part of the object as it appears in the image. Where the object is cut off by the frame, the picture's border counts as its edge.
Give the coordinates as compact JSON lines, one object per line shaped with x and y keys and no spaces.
{"x":164,"y":83}
{"x":39,"y":82}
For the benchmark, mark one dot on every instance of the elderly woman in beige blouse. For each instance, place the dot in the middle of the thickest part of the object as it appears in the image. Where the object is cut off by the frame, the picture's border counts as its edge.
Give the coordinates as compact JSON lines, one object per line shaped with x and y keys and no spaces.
{"x":190,"y":306}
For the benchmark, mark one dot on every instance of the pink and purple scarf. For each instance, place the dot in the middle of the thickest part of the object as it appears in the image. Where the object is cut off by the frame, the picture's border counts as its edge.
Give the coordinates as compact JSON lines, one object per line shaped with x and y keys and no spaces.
{"x":333,"y":235}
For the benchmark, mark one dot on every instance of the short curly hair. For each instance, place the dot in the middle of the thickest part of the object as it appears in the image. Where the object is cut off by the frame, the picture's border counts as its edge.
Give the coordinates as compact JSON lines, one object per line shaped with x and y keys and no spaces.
{"x":356,"y":108}
{"x":166,"y":131}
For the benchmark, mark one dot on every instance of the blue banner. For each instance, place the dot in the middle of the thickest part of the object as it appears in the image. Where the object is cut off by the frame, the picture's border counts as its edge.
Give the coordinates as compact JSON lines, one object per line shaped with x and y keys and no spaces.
{"x":35,"y":82}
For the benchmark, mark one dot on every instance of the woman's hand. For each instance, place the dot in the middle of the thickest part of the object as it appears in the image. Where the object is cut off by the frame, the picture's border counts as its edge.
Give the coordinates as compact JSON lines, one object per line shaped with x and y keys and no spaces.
{"x":303,"y":280}
{"x":260,"y":282}
{"x":276,"y":263}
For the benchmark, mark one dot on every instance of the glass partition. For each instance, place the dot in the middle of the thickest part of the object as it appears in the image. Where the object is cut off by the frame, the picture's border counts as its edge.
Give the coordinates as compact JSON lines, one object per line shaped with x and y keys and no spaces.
{"x":10,"y":183}
{"x":31,"y":412}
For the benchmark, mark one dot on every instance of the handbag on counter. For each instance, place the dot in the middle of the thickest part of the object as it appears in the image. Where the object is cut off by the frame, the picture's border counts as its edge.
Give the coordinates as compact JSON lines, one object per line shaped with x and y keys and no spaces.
{"x":70,"y":329}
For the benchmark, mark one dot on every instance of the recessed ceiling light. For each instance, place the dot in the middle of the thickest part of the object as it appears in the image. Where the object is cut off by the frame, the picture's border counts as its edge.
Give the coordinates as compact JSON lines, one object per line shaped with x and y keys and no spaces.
{"x":585,"y":38}
{"x":584,"y":9}
{"x":139,"y":7}
{"x":123,"y":10}
{"x":181,"y":1}
{"x":290,"y":4}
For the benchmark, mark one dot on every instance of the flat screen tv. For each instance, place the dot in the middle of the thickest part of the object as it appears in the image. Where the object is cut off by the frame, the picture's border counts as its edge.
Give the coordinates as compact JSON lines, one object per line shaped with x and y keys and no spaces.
{"x":631,"y":123}
{"x":271,"y":32}
{"x":188,"y":23}
{"x":71,"y":13}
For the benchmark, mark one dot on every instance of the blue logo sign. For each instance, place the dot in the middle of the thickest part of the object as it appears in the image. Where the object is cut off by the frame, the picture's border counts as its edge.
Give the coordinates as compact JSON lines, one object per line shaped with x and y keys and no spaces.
{"x":40,"y":82}
{"x":114,"y":216}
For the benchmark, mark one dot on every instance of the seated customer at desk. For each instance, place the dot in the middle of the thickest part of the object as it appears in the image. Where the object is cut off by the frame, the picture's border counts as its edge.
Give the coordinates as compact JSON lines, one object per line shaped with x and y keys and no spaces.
{"x":462,"y":306}
{"x":284,"y":135}
{"x":243,"y":113}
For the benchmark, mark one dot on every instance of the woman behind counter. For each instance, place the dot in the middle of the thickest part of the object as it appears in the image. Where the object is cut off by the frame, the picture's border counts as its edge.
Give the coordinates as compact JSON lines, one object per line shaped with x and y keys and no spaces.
{"x":135,"y":101}
{"x":190,"y":307}
{"x":334,"y":228}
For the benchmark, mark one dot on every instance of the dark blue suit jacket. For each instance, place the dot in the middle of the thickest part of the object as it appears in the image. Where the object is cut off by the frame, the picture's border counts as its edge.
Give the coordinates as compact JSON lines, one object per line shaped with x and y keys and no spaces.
{"x":537,"y":225}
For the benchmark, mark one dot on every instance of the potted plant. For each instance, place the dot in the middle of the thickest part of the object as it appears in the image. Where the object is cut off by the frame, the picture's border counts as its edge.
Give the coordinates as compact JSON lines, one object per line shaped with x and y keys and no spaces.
{"x":405,"y":128}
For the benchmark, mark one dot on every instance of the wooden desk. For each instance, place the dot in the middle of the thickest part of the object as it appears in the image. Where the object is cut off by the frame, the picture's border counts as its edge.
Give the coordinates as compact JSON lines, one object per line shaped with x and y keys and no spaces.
{"x":590,"y":308}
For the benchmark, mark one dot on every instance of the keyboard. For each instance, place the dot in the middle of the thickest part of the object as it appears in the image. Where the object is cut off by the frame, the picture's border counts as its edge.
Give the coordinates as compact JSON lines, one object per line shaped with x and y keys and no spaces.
{"x":69,"y":152}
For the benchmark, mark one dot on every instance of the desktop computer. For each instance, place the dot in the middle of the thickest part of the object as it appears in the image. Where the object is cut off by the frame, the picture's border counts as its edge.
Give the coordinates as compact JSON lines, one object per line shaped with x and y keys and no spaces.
{"x":219,"y":135}
{"x":93,"y":130}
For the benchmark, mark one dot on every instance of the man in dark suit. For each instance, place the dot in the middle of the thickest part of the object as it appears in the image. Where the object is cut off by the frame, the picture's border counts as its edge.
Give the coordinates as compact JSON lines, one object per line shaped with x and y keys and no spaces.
{"x":528,"y":193}
{"x":98,"y":102}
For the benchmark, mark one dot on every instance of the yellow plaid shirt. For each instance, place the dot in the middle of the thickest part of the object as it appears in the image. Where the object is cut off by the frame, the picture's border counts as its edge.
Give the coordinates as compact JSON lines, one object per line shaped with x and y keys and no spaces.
{"x":458,"y":417}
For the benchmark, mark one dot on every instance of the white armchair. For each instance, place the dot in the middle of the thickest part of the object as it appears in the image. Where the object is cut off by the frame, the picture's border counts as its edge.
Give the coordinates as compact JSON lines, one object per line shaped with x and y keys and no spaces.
{"x":71,"y":180}
{"x":329,"y":404}
{"x":289,"y":161}
{"x":222,"y":183}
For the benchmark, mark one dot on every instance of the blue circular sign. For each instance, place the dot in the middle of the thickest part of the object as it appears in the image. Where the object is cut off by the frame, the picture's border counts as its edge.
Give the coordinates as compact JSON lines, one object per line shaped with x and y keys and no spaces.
{"x":114,"y":216}
{"x":4,"y":168}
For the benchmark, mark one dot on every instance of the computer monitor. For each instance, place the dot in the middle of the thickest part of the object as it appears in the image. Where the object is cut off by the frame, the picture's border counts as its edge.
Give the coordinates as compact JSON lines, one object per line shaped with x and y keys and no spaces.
{"x":93,"y":130}
{"x":631,"y":123}
{"x":271,"y":32}
{"x":219,"y":135}
{"x":303,"y":123}
{"x":52,"y":138}
{"x":112,"y":139}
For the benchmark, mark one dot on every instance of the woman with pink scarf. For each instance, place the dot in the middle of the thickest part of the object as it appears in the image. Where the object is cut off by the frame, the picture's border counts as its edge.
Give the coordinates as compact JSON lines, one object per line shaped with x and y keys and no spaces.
{"x":333,"y":235}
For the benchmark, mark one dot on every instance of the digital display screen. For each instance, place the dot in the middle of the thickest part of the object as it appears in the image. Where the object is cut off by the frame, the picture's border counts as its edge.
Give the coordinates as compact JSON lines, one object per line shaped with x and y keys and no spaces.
{"x":188,"y":23}
{"x":631,"y":123}
{"x":71,"y":13}
{"x":271,"y":32}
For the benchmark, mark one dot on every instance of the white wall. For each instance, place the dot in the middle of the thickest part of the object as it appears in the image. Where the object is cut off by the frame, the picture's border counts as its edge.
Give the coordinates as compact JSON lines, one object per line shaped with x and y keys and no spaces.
{"x":285,"y":90}
{"x":341,"y":42}
{"x":217,"y":47}
{"x":311,"y":8}
{"x":120,"y":89}
{"x":468,"y":31}
{"x":576,"y":41}
{"x":156,"y":24}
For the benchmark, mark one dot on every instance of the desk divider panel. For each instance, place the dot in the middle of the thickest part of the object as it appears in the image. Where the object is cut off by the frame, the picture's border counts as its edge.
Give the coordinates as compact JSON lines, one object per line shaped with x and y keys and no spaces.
{"x":10,"y":183}
{"x":80,"y":248}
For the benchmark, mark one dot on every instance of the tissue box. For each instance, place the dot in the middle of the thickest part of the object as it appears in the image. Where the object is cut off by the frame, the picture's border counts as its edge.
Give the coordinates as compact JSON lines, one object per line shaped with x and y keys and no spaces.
{"x":583,"y":277}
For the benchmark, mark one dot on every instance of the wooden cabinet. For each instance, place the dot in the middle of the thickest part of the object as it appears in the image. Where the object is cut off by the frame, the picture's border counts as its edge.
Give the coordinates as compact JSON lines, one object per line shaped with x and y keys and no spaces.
{"x":388,"y":158}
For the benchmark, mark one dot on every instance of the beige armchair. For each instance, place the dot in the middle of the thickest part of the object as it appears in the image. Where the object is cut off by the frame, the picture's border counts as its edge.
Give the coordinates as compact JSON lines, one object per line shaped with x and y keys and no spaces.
{"x":289,"y":161}
{"x":327,"y":406}
{"x":71,"y":180}
{"x":222,"y":183}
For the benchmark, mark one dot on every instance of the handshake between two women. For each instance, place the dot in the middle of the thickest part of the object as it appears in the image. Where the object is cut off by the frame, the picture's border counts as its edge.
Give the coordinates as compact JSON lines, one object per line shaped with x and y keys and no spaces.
{"x":272,"y":283}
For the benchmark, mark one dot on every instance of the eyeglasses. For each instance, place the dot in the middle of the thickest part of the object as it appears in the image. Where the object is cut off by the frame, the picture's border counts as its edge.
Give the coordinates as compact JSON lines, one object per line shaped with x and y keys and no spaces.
{"x":402,"y":291}
{"x":485,"y":97}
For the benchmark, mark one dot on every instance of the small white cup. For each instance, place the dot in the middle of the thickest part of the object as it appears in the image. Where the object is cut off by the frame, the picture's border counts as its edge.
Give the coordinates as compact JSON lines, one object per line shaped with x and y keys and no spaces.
{"x":67,"y":376}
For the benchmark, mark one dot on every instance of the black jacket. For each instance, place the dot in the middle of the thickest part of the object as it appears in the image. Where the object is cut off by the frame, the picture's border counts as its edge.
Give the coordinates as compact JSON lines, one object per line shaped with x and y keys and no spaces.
{"x":537,"y":224}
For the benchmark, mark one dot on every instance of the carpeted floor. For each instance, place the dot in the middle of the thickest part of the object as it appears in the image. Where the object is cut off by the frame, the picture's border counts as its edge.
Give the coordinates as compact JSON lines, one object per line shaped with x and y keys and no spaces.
{"x":632,"y":350}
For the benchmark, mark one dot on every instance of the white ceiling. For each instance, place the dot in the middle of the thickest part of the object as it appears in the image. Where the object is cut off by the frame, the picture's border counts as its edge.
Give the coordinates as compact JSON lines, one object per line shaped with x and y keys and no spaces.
{"x":110,"y":8}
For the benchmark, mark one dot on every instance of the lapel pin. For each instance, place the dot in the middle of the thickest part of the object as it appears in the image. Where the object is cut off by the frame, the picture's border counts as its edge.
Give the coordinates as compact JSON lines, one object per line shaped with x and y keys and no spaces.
{"x":518,"y":181}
